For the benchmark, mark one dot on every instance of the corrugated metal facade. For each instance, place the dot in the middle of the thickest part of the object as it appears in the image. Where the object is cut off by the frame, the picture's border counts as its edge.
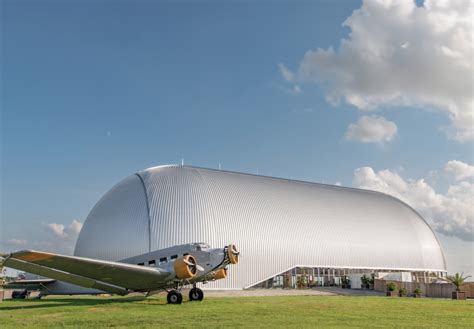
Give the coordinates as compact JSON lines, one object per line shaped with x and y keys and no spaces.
{"x":276,"y":223}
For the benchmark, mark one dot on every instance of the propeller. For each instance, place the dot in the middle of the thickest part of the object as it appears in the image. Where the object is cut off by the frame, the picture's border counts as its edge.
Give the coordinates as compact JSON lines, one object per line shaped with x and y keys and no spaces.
{"x":193,"y":265}
{"x":234,"y":250}
{"x":233,"y":254}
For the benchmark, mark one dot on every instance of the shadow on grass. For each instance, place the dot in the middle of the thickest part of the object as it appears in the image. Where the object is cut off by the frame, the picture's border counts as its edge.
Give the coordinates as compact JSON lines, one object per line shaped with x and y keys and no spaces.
{"x":60,"y":302}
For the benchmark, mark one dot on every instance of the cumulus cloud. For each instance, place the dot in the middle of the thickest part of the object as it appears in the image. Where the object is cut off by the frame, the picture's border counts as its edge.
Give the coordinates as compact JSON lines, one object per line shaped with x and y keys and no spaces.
{"x":399,"y":54}
{"x":286,"y":73}
{"x":57,"y":229}
{"x":450,"y":213}
{"x":289,"y":77}
{"x":371,"y":129}
{"x":65,"y":232}
{"x":15,"y":242}
{"x":295,"y":90}
{"x":65,"y":238}
{"x":459,"y":169}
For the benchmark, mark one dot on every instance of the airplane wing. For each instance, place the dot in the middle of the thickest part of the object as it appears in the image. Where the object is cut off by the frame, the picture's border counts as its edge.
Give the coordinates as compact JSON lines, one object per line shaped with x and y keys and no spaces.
{"x":114,"y":277}
{"x":28,"y":284}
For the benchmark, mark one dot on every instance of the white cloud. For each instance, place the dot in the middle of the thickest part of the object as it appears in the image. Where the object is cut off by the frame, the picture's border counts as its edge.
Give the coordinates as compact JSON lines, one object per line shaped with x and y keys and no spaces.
{"x":451,"y":214}
{"x":65,"y":232}
{"x":15,"y":242}
{"x":75,"y":227}
{"x":57,"y":229}
{"x":289,"y":77}
{"x":295,"y":90}
{"x":371,"y":129}
{"x":286,"y":73}
{"x":400,"y":54}
{"x":459,"y":169}
{"x":66,"y":236}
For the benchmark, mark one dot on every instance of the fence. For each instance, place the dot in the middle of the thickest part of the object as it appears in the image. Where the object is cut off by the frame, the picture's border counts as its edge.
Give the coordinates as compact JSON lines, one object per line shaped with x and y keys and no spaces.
{"x":443,"y":290}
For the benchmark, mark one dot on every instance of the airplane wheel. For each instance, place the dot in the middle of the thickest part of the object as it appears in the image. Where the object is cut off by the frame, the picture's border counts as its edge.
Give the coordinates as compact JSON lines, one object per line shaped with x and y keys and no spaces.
{"x":196,"y":294}
{"x":174,"y":297}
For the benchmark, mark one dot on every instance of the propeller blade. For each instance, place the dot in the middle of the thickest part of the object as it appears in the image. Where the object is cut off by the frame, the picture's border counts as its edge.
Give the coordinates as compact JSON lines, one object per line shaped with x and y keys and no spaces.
{"x":234,"y":251}
{"x":199,"y":268}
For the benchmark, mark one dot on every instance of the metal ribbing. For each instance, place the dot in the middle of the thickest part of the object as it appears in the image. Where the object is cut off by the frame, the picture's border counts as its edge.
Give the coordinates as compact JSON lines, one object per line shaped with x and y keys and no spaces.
{"x":276,"y":223}
{"x":147,"y":210}
{"x":117,"y":226}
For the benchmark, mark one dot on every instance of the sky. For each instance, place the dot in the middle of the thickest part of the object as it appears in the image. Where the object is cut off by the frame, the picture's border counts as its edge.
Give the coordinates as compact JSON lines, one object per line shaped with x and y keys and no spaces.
{"x":374,"y":94}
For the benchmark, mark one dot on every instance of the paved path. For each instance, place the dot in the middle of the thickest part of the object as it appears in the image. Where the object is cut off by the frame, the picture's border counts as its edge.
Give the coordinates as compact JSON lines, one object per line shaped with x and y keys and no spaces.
{"x":321,"y":291}
{"x":267,"y":292}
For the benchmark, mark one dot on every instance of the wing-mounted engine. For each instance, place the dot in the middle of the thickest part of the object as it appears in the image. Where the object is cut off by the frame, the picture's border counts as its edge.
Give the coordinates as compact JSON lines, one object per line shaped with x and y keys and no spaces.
{"x":215,"y":275}
{"x":186,"y":268}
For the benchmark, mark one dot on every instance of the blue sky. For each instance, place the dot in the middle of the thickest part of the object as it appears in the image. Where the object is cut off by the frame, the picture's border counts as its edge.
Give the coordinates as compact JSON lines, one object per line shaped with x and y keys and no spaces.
{"x":93,"y":91}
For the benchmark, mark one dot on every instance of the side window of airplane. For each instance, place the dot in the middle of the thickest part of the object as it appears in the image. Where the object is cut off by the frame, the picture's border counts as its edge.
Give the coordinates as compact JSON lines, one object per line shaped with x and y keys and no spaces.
{"x":174,"y":257}
{"x":141,"y":264}
{"x":185,"y":254}
{"x":163,"y":260}
{"x":151,"y":263}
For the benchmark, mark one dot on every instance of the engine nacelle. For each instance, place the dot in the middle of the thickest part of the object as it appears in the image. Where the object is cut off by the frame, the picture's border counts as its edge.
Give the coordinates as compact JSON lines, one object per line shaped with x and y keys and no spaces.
{"x":185,"y":268}
{"x":220,"y":274}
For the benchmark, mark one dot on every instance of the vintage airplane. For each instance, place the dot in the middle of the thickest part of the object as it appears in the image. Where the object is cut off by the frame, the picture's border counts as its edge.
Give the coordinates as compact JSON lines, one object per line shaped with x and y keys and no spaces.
{"x":167,"y":269}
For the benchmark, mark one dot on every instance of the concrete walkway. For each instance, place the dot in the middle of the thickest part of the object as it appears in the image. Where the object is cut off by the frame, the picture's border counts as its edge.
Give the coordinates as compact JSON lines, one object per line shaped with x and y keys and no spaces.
{"x":320,"y":291}
{"x":266,"y":292}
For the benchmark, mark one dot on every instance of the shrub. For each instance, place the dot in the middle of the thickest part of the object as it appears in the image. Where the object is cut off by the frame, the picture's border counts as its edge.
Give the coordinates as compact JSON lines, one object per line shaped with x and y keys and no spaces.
{"x":366,"y":281}
{"x":391,"y":286}
{"x":458,"y":280}
{"x":402,"y":292}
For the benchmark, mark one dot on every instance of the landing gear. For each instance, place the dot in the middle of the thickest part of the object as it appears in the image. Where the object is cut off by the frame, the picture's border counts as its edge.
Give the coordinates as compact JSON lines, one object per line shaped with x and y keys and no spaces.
{"x":174,"y":297}
{"x":196,"y":294}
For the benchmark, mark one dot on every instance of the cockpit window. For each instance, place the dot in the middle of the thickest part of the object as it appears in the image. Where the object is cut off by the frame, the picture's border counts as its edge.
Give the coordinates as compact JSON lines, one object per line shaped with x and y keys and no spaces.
{"x":174,"y":257}
{"x":202,"y":246}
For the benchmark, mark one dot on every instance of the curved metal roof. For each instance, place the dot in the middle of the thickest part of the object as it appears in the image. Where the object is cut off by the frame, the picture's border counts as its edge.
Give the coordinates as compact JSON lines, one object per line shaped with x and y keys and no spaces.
{"x":276,"y":223}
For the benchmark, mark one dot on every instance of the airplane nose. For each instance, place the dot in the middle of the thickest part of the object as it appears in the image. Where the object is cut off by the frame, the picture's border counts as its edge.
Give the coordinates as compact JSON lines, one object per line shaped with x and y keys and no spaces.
{"x":233,"y":254}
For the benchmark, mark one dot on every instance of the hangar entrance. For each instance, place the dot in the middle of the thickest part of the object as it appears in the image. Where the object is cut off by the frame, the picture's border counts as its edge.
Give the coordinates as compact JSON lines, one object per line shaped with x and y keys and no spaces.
{"x":312,"y":277}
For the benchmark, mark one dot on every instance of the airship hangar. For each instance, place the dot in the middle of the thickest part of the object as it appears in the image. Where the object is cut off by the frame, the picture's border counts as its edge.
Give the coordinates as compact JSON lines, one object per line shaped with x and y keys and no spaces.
{"x":283,"y":228}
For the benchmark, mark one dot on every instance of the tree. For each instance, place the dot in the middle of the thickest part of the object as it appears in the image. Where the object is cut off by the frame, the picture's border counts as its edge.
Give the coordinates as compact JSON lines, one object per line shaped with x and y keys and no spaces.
{"x":457,"y":280}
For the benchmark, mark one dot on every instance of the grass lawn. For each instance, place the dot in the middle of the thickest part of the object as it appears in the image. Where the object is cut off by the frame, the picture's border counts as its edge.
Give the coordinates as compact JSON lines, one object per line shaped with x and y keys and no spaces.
{"x":294,"y":311}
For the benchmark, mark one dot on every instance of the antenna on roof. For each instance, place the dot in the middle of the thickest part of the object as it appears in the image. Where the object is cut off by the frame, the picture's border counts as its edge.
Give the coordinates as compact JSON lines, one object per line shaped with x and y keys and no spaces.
{"x":182,"y":162}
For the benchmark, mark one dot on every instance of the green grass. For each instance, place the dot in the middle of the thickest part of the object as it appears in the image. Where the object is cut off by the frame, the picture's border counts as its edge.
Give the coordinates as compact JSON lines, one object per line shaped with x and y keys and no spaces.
{"x":294,"y":311}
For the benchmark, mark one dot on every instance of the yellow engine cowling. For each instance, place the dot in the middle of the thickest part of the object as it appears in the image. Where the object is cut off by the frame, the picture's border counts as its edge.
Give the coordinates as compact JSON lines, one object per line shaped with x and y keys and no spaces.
{"x":185,"y":268}
{"x":232,"y":254}
{"x":220,"y":274}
